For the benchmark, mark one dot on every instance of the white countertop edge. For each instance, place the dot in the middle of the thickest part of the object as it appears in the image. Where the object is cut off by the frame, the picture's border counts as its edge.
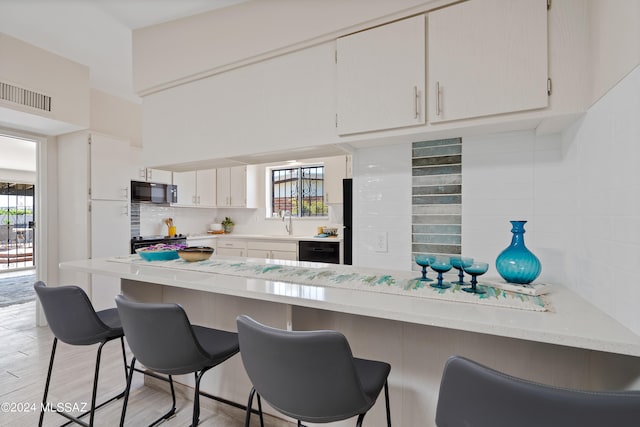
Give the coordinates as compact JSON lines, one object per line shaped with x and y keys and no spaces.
{"x":284,"y":237}
{"x":573,"y":323}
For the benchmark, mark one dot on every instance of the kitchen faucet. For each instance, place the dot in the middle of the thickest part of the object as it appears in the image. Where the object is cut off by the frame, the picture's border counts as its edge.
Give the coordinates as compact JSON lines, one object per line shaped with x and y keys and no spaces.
{"x":288,"y":227}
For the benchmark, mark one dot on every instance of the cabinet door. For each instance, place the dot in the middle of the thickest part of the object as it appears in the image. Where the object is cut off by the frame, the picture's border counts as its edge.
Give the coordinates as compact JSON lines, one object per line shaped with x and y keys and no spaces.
{"x":238,"y":186}
{"x":186,"y":183}
{"x":158,"y":175}
{"x":258,"y":253}
{"x":137,"y":171}
{"x":206,"y":187}
{"x":202,"y":241}
{"x":381,"y":77}
{"x":487,"y":57}
{"x":110,"y":234}
{"x":140,"y":173}
{"x":293,"y":256}
{"x":223,"y":186}
{"x":335,"y":170}
{"x":231,"y":252}
{"x":108,"y":180}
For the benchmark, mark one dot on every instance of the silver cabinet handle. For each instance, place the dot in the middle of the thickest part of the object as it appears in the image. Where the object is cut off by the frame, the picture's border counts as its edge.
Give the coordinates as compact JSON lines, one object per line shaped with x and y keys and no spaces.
{"x":416,"y":102}
{"x":438,"y":99}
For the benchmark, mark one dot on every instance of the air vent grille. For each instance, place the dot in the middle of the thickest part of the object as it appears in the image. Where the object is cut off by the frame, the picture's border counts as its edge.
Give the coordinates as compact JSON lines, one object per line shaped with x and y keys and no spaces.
{"x":24,"y":97}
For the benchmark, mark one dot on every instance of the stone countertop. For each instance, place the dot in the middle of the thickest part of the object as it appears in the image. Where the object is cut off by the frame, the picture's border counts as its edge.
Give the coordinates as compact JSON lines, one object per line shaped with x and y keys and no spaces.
{"x":572,"y":321}
{"x":276,"y":237}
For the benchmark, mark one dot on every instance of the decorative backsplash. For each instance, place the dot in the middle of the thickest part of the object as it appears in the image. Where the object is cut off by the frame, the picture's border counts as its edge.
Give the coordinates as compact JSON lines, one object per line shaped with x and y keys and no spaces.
{"x":437,"y":196}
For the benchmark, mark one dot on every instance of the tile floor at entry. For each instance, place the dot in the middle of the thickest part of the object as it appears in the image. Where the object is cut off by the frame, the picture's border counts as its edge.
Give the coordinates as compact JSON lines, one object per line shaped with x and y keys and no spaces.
{"x":24,"y":358}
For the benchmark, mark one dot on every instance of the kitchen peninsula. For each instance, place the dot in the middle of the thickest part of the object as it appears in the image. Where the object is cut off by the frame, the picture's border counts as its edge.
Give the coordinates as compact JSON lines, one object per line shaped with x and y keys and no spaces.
{"x":573,"y":344}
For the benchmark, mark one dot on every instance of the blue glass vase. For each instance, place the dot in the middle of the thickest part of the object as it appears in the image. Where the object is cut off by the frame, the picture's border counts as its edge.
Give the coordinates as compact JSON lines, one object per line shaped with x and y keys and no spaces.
{"x":517,"y":264}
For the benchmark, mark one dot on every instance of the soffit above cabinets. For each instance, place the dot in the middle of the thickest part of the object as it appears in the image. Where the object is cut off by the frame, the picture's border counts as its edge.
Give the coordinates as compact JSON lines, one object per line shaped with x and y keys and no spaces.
{"x":300,"y":153}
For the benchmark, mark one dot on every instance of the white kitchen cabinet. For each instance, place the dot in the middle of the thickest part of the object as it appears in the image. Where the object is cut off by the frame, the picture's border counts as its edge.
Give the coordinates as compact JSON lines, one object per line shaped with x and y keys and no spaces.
{"x":95,"y":224}
{"x":110,"y":236}
{"x":487,"y":57}
{"x":107,"y":155}
{"x":158,"y":175}
{"x":381,"y":77}
{"x":335,"y":170}
{"x":196,"y":188}
{"x":231,"y":187}
{"x":186,"y":184}
{"x":272,"y":250}
{"x":232,"y":247}
{"x":270,"y":105}
{"x":141,"y":173}
{"x":202,"y":241}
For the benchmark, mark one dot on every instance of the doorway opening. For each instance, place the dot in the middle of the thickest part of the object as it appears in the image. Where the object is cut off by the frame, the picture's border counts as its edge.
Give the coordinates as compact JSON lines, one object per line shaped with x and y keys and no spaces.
{"x":17,"y":220}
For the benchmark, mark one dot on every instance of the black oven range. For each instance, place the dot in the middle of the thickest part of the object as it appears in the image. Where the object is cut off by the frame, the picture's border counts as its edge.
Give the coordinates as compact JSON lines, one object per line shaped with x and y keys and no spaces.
{"x":138,"y":242}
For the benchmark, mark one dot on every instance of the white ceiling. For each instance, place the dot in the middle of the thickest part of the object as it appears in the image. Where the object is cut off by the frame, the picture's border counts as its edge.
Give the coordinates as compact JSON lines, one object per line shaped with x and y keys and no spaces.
{"x":17,"y":154}
{"x":96,"y":33}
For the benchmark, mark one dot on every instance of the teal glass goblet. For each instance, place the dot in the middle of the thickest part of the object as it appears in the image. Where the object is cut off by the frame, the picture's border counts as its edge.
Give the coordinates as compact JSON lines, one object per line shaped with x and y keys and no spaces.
{"x":441,"y":265}
{"x":424,"y":261}
{"x":457,"y":262}
{"x":474,"y":270}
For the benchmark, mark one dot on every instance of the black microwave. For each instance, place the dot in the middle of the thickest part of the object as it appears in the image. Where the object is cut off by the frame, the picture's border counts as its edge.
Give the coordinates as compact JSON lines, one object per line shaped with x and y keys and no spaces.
{"x":152,"y":192}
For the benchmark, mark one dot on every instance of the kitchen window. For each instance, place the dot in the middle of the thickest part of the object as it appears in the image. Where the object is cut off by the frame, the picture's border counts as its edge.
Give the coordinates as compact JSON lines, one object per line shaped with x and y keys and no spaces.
{"x":299,"y":190}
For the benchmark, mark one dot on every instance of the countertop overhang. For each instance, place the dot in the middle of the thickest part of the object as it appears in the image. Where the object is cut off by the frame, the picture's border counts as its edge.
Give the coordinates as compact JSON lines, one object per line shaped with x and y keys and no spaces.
{"x":572,"y":321}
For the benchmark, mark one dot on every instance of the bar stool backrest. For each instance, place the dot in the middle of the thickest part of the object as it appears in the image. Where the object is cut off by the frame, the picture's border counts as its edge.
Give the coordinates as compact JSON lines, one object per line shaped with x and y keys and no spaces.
{"x":70,"y":315}
{"x":307,"y":375}
{"x":475,"y":395}
{"x":161,"y":337}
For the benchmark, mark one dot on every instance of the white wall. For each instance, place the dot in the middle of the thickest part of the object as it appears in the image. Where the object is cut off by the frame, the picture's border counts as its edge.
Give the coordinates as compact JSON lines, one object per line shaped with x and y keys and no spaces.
{"x":35,"y":69}
{"x":580,"y":192}
{"x":116,"y":116}
{"x":614,"y":41}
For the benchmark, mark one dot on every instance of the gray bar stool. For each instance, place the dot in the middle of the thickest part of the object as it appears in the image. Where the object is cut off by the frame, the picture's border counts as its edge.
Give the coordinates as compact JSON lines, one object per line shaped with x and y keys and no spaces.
{"x":73,"y":321}
{"x":310,"y":376}
{"x":474,"y":395}
{"x":163,"y":340}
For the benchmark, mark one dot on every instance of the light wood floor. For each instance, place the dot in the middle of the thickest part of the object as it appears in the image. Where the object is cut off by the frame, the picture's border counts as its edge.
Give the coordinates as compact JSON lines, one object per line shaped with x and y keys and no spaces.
{"x":24,"y":357}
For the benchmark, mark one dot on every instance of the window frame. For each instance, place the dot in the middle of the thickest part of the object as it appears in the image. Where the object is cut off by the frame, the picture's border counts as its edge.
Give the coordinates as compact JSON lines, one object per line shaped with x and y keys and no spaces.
{"x":274,"y":209}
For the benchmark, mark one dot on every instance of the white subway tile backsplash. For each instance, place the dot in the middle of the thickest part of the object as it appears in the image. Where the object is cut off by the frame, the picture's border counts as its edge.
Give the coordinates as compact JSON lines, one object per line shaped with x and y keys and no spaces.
{"x":579,"y":191}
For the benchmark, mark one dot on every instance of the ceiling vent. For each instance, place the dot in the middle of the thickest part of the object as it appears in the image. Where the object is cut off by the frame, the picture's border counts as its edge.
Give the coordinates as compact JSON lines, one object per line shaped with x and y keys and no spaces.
{"x":24,"y":97}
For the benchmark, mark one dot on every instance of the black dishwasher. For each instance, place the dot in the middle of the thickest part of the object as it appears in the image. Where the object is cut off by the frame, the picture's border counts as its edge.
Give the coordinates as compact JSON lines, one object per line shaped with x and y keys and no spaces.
{"x":319,"y":251}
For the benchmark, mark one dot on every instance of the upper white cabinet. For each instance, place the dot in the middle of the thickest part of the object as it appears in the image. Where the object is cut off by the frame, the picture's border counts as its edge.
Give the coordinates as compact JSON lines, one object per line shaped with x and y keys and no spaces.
{"x":156,"y":175}
{"x":381,"y":77}
{"x":335,"y":170}
{"x":108,"y":182}
{"x":196,"y":188}
{"x":231,"y":187}
{"x":141,"y":173}
{"x":283,"y":102}
{"x":186,"y":183}
{"x":487,"y":57}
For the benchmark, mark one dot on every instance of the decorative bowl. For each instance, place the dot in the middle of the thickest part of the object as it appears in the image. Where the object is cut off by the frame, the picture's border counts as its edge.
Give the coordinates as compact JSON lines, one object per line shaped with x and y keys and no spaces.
{"x":159,"y":255}
{"x":195,"y":253}
{"x":330,"y":231}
